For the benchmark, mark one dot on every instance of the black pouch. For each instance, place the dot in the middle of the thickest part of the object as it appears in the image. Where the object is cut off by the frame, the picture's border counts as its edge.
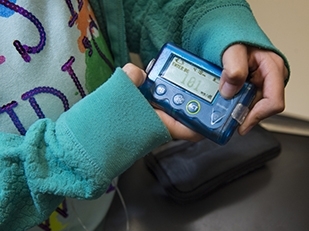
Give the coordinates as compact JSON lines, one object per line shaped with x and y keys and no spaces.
{"x":188,"y":171}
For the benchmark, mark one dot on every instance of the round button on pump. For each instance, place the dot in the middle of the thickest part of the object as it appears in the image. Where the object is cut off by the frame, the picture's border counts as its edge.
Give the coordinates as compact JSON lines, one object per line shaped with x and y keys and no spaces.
{"x":193,"y":107}
{"x":161,"y":89}
{"x":178,"y":99}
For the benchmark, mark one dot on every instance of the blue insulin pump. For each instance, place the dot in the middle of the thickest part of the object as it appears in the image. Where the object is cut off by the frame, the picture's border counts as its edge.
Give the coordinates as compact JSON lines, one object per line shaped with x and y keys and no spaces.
{"x":187,"y":88}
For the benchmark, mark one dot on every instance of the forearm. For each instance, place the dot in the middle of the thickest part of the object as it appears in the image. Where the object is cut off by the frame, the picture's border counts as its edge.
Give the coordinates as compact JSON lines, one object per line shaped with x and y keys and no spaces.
{"x":79,"y":154}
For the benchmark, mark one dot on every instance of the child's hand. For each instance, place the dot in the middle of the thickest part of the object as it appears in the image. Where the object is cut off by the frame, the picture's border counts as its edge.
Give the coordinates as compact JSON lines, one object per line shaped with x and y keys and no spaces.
{"x":265,"y":69}
{"x":136,"y":74}
{"x":176,"y":129}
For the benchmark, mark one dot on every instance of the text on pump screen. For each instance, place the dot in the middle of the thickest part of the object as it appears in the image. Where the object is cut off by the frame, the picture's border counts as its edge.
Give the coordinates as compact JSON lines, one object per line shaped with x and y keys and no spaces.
{"x":192,"y":78}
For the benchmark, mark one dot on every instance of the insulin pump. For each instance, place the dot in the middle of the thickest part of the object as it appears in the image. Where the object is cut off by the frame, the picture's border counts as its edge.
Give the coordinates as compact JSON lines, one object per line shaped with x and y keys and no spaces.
{"x":187,"y":88}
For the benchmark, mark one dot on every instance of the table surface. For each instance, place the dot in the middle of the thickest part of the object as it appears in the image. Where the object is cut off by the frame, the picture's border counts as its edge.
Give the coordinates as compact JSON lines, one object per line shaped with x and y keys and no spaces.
{"x":275,"y":197}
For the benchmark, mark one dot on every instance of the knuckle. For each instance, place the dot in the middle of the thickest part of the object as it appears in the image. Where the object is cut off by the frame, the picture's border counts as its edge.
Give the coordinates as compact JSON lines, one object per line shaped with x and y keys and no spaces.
{"x":128,"y":66}
{"x":132,"y":70}
{"x":237,"y":75}
{"x":278,"y":107}
{"x":280,"y":65}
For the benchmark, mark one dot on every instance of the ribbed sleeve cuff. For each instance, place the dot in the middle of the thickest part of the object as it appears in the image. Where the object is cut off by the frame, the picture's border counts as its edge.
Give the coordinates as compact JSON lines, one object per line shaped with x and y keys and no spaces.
{"x":115,"y":126}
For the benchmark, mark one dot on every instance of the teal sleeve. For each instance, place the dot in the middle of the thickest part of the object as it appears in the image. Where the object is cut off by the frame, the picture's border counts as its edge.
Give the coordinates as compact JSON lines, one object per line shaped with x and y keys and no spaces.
{"x":204,"y":27}
{"x":78,"y":155}
{"x":214,"y":30}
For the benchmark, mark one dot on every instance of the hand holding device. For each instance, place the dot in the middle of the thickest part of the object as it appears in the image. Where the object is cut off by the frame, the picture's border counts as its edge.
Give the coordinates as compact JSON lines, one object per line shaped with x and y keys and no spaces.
{"x":187,"y":88}
{"x":267,"y":71}
{"x":175,"y":128}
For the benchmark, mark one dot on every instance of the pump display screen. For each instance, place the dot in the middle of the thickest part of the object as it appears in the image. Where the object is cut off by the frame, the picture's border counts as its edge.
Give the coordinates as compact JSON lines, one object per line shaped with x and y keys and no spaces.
{"x":191,"y":78}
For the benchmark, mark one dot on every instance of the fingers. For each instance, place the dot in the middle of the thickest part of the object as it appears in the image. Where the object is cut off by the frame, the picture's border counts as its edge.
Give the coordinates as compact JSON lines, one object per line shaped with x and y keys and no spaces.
{"x":235,"y":70}
{"x":269,"y":77}
{"x":267,"y":72}
{"x":177,"y":129}
{"x":136,"y":74}
{"x":262,"y":109}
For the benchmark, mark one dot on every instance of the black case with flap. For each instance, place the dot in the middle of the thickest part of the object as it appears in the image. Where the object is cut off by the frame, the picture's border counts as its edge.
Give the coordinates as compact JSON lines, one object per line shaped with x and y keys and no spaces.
{"x":188,"y":171}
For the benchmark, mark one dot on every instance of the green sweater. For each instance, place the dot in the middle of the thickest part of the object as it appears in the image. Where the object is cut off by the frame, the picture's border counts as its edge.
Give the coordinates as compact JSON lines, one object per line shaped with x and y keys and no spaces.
{"x":77,"y":153}
{"x":204,"y":27}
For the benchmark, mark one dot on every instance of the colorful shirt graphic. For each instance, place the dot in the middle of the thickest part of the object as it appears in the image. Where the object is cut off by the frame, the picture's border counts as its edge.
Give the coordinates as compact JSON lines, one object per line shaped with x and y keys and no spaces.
{"x":51,"y":56}
{"x":56,"y":54}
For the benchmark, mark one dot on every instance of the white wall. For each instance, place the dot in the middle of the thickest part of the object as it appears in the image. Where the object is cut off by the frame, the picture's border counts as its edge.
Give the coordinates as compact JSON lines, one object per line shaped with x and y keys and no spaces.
{"x":286,"y":23}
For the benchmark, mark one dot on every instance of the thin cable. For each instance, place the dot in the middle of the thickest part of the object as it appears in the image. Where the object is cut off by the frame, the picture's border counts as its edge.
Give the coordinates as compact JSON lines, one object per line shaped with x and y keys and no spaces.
{"x":78,"y":218}
{"x":124,"y":206}
{"x":122,"y":202}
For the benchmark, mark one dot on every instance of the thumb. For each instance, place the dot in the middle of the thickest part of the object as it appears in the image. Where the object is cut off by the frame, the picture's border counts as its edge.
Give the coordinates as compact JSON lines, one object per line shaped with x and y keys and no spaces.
{"x":136,"y":74}
{"x":235,"y":70}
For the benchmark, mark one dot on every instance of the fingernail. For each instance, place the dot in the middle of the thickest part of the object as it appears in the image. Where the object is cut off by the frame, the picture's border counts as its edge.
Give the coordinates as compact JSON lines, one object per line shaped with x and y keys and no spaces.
{"x":228,"y":90}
